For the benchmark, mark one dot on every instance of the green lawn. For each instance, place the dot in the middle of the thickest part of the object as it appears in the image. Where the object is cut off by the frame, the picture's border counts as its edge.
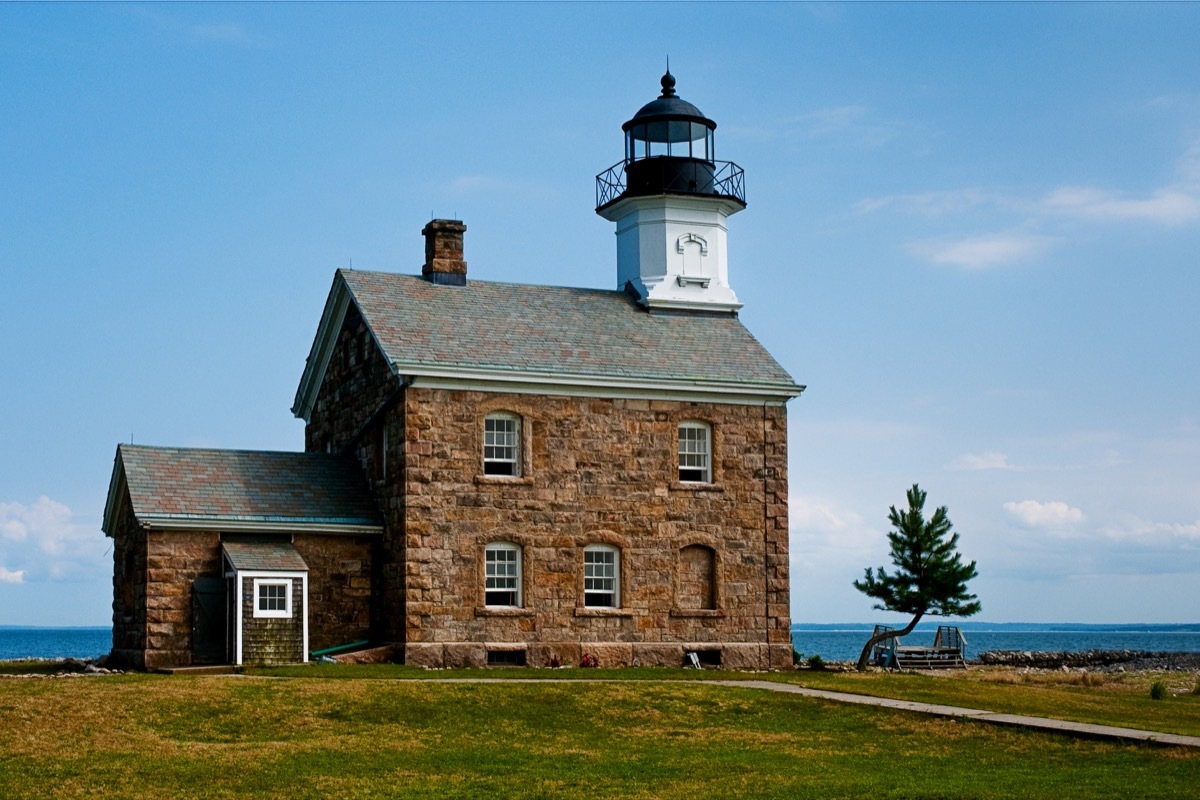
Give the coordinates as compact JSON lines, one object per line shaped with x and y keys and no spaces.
{"x":1121,"y":700}
{"x":148,"y":736}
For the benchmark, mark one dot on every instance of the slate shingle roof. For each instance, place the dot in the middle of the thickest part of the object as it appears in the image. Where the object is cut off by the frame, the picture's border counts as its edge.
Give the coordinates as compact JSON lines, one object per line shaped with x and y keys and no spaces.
{"x":264,"y":555}
{"x":558,"y":330}
{"x":244,"y":485}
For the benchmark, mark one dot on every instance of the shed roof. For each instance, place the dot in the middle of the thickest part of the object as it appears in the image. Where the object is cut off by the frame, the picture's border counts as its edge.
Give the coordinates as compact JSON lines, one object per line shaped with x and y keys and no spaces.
{"x":264,"y":555}
{"x":241,"y":490}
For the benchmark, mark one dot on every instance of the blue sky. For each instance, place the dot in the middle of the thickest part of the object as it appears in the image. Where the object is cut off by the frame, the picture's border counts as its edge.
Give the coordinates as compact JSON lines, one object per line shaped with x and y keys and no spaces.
{"x":973,"y":231}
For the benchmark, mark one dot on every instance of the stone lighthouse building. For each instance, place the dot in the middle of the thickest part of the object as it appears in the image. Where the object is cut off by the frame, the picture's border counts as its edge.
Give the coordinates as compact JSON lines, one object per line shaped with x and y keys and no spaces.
{"x":497,"y":473}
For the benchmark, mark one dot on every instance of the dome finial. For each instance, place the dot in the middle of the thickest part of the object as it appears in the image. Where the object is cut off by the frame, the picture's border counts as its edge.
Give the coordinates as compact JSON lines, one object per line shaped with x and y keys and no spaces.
{"x":668,"y":82}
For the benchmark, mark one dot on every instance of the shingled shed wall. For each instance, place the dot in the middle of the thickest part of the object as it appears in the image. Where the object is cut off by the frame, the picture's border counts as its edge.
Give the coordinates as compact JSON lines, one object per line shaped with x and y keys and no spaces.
{"x":267,"y":640}
{"x":598,"y":471}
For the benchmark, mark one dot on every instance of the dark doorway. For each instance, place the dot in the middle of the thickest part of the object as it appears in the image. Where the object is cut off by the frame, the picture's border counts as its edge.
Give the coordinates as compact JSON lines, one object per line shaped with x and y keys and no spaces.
{"x":208,"y":621}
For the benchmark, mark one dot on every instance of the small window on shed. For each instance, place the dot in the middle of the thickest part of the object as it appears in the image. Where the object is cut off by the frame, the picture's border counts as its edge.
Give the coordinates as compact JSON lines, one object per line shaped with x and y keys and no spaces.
{"x":272,"y":598}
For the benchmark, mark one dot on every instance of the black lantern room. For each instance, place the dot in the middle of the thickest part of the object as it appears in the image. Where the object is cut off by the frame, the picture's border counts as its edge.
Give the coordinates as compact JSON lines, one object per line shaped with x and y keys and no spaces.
{"x":669,"y":149}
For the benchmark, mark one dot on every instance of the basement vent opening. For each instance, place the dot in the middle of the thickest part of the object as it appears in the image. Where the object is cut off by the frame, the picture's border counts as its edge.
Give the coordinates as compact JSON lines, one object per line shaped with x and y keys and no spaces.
{"x":506,"y":658}
{"x":699,"y":659}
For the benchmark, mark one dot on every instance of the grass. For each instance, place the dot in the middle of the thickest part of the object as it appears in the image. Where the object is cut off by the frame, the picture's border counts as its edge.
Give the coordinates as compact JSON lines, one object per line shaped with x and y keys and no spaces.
{"x":148,"y":736}
{"x":1122,"y":699}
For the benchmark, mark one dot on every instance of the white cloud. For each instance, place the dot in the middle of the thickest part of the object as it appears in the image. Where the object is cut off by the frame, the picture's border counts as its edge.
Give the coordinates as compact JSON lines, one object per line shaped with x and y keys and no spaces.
{"x":1134,"y":529}
{"x":1054,"y":514}
{"x":226,"y":32}
{"x":931,"y":204}
{"x":474,"y":183}
{"x":44,"y":539}
{"x":990,"y":460}
{"x":1171,"y":206}
{"x":982,"y":252}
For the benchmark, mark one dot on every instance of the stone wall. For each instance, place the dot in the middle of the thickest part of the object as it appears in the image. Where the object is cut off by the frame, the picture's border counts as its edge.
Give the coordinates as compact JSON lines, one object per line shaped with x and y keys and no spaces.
{"x":339,"y":588}
{"x":174,"y":559}
{"x":129,"y":591}
{"x":360,"y":406}
{"x":596,"y":471}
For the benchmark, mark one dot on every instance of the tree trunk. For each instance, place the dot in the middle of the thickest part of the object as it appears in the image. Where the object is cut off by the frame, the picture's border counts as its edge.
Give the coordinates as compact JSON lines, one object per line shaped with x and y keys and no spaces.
{"x":879,"y":637}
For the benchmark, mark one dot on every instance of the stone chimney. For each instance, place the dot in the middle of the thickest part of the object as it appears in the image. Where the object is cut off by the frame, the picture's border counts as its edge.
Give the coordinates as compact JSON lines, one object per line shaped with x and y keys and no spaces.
{"x":444,"y":262}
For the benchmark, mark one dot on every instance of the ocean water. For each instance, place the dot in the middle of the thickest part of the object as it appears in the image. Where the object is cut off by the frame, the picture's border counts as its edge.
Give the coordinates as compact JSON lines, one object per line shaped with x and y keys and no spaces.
{"x":845,"y":642}
{"x":18,"y":642}
{"x":840,"y":642}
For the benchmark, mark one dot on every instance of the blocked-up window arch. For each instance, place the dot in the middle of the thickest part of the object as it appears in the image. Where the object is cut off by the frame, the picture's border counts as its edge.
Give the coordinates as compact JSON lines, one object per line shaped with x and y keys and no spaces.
{"x":697,"y":585}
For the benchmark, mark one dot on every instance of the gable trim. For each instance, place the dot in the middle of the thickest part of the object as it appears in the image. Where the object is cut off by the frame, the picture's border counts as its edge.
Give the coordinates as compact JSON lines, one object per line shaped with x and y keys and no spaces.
{"x":324,"y":345}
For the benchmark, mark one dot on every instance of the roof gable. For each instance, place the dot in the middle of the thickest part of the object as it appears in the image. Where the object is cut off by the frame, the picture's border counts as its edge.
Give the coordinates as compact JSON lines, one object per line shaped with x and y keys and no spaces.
{"x":503,"y":331}
{"x":240,"y":490}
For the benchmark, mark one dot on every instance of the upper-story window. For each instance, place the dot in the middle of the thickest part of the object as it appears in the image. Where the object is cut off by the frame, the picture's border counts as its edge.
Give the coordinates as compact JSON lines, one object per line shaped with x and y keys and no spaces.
{"x":502,"y":575}
{"x":502,"y":444}
{"x":601,"y":576}
{"x":695,"y":452}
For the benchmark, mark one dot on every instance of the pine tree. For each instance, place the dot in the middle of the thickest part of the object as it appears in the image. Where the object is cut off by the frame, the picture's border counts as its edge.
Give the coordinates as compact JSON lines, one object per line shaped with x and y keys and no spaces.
{"x":929,"y":576}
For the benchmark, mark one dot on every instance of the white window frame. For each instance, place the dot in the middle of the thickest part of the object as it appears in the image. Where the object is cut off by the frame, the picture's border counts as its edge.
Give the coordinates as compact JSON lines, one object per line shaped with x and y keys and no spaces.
{"x":492,"y":573}
{"x":602,"y":575}
{"x":496,"y":441}
{"x":260,"y":584}
{"x":695,"y":452}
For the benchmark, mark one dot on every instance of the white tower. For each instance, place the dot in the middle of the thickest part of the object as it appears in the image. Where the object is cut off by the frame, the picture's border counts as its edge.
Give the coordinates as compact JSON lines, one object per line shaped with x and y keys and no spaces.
{"x":670,"y":198}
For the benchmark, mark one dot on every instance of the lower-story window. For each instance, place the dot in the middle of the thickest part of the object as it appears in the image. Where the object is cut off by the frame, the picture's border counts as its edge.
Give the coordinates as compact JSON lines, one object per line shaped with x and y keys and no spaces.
{"x":272,"y":598}
{"x":502,"y":575}
{"x":601,"y":576}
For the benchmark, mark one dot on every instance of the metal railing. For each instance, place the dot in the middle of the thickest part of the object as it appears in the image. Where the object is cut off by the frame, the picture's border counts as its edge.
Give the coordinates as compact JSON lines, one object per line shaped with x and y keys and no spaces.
{"x":728,"y":180}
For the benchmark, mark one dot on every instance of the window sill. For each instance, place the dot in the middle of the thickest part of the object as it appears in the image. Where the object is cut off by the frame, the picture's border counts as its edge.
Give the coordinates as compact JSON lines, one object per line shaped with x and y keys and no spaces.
{"x":586,"y":611}
{"x":697,"y":612}
{"x":680,"y":486}
{"x":501,"y":611}
{"x":502,"y":480}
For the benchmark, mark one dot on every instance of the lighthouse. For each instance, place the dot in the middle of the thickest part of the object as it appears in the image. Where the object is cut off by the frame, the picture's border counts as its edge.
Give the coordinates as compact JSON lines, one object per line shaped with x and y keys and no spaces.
{"x":670,"y":199}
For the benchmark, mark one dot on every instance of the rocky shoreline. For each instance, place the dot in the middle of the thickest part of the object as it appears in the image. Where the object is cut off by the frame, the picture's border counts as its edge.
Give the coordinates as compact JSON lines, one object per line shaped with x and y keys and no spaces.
{"x":1093,"y":660}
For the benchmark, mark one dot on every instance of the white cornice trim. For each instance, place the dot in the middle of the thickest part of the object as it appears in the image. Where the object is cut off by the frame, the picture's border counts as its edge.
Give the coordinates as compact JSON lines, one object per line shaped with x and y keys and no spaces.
{"x":180,"y":522}
{"x":480,"y":380}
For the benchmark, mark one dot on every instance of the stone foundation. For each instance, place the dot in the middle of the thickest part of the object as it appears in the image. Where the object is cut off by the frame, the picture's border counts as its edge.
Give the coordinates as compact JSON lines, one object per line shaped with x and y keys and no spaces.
{"x":734,"y":656}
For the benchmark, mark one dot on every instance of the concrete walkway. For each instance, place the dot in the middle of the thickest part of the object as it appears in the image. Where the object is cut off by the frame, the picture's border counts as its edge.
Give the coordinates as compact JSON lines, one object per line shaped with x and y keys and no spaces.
{"x":1081,"y":729}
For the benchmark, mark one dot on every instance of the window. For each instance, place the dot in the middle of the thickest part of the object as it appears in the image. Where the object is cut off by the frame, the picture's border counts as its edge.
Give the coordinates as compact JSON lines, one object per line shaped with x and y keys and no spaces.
{"x":502,"y":575}
{"x":272,"y":598}
{"x":695,"y":452}
{"x":601,"y":576}
{"x":502,"y":445}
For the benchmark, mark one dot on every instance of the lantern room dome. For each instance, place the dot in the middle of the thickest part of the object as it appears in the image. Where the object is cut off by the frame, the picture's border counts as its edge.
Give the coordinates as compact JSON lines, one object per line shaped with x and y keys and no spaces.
{"x":668,"y":105}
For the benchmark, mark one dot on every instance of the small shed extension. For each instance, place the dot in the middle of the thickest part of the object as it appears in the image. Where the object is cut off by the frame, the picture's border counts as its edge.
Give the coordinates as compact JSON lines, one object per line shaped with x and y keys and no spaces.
{"x":216,"y":553}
